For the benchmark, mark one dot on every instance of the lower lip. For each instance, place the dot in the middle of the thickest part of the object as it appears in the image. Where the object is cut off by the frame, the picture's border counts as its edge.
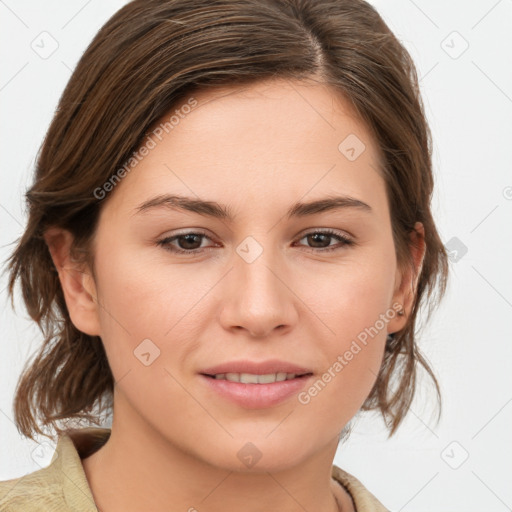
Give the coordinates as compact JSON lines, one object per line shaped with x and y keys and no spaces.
{"x":256,"y":396}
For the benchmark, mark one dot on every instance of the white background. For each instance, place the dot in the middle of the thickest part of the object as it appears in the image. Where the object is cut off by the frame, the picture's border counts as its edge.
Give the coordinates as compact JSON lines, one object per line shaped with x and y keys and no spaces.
{"x":468,"y":99}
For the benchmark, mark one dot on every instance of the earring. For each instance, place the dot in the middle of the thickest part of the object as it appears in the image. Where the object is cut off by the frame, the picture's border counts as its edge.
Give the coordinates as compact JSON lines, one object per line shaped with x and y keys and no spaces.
{"x":401,"y":313}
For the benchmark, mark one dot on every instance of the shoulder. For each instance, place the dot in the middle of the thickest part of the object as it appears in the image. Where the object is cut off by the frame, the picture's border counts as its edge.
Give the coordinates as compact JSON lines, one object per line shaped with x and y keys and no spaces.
{"x":62,"y":485}
{"x":364,"y":500}
{"x":36,"y":491}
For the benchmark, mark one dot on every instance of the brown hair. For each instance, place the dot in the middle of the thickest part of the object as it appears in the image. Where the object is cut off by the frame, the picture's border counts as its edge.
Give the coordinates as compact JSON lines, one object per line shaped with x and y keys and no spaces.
{"x":146,"y":59}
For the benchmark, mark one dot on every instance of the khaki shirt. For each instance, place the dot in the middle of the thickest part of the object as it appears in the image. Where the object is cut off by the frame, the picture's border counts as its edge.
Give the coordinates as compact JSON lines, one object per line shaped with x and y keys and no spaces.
{"x":63,"y":486}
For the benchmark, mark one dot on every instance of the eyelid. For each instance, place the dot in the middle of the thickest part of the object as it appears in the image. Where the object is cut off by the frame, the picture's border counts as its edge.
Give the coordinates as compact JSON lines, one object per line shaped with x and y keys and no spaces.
{"x":328,"y":231}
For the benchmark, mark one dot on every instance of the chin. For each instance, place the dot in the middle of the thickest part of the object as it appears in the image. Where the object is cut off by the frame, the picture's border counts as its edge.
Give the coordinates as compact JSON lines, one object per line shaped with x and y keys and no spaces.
{"x":260,"y":455}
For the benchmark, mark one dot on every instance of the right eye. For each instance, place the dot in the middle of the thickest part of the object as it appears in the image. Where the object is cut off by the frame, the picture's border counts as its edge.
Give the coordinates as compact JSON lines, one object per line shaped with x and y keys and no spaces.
{"x":186,"y":242}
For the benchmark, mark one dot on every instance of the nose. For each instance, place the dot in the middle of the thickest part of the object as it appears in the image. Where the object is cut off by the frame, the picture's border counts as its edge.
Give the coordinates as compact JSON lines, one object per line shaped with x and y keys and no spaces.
{"x":258,"y":297}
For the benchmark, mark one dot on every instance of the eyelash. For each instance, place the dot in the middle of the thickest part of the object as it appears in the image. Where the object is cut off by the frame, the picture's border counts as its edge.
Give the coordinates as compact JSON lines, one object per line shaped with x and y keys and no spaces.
{"x":165,"y":242}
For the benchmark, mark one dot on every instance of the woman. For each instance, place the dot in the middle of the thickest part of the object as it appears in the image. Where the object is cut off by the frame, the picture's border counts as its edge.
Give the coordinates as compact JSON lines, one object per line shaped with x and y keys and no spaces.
{"x":229,"y":241}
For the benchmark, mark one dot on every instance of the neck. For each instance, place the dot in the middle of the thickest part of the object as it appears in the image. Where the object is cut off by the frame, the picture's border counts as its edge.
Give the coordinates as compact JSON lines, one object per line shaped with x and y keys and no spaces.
{"x":139,"y":469}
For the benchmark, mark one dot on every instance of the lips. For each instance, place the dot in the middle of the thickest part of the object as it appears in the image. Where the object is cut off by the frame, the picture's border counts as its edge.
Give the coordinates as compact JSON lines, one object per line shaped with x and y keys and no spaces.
{"x":272,"y":366}
{"x":250,"y":378}
{"x":256,"y":385}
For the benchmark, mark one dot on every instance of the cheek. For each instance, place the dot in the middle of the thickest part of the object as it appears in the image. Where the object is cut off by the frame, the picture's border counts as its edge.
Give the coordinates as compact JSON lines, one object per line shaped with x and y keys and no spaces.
{"x":353,"y":354}
{"x":337,"y":394}
{"x":356,"y":307}
{"x":140,"y":302}
{"x":141,"y":296}
{"x":351,"y":296}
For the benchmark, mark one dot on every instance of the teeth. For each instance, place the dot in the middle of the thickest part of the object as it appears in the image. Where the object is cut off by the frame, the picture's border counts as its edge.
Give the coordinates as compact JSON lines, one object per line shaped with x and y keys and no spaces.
{"x":250,"y":378}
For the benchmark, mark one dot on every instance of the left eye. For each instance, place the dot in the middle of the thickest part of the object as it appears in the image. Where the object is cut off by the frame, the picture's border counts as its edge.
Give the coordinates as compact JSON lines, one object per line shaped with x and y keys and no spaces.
{"x":190,"y":243}
{"x":321,"y":236}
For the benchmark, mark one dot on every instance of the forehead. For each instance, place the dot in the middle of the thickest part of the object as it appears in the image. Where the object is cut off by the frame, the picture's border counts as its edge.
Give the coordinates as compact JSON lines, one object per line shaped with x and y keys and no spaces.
{"x":269,"y":142}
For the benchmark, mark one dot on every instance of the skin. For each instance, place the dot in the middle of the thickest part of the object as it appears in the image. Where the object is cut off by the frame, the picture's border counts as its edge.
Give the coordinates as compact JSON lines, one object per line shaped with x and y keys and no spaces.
{"x":173,"y":440}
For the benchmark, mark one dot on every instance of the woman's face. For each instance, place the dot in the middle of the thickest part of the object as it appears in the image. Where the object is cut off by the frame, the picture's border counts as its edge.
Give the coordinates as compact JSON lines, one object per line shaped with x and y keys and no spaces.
{"x":256,"y":286}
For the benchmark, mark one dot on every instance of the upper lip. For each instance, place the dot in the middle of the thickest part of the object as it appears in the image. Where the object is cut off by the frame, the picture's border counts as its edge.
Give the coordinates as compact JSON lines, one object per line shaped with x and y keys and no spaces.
{"x":256,"y":368}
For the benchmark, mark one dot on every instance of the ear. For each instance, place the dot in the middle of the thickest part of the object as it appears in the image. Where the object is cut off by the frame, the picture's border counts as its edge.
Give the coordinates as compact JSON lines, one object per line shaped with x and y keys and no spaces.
{"x":76,"y":281}
{"x":407,"y":280}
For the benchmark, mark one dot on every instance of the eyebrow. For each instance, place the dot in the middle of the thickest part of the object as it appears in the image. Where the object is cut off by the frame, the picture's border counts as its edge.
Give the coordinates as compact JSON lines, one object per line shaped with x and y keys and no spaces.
{"x":216,"y":210}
